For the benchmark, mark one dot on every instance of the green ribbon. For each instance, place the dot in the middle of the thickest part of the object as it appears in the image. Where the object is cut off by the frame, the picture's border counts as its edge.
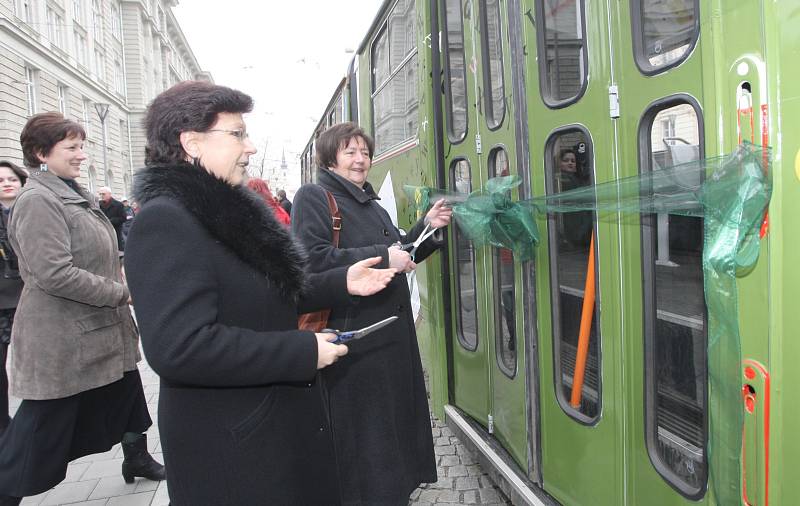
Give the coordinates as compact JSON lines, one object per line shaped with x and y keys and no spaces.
{"x":730,"y":192}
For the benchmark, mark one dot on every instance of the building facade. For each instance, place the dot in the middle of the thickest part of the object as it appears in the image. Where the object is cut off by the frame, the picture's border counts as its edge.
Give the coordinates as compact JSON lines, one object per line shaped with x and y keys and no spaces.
{"x":99,"y":62}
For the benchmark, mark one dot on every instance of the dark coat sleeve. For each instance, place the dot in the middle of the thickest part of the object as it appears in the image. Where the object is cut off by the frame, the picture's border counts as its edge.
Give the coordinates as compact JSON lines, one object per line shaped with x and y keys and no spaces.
{"x":311,"y":224}
{"x":174,"y":284}
{"x":326,"y":290}
{"x":429,"y":246}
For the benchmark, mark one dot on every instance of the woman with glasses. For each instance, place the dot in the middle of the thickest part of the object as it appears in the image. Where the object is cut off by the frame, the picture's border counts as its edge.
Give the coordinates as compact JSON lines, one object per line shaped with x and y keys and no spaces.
{"x":218,"y":283}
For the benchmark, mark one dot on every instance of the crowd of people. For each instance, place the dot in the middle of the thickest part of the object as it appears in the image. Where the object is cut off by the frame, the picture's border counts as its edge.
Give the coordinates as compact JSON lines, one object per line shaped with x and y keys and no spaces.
{"x":253,"y":407}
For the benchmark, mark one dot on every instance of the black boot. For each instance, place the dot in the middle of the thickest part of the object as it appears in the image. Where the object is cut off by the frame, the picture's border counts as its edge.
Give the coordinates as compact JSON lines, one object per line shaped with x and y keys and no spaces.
{"x":138,"y":461}
{"x":7,"y":500}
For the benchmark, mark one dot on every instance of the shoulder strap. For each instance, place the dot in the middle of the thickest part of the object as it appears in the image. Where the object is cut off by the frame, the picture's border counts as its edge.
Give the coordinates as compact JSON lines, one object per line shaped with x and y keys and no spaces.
{"x":336,"y":218}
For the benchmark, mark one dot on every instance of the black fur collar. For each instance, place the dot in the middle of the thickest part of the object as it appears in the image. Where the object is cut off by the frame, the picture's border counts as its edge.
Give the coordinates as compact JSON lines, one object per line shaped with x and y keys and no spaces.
{"x":234,"y":215}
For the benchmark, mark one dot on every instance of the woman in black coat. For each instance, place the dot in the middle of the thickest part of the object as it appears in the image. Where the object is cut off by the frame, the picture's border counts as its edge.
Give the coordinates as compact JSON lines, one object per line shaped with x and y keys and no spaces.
{"x":217,"y":283}
{"x":378,"y":404}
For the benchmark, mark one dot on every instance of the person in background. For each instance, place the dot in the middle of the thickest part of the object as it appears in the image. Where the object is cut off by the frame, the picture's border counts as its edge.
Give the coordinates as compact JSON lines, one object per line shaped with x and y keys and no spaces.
{"x":218,"y":284}
{"x":12,"y":178}
{"x":262,"y":188}
{"x":284,"y":202}
{"x":114,"y":211}
{"x":128,"y":208}
{"x":74,"y":345}
{"x":378,"y":403}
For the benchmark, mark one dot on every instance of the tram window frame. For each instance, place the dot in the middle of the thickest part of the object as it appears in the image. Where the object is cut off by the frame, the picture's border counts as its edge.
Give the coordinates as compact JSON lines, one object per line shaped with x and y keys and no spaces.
{"x":497,"y":286}
{"x":639,"y":55}
{"x":555,"y":290}
{"x":541,"y":49}
{"x":457,"y":276}
{"x":453,"y":136}
{"x":649,"y":305}
{"x":488,"y":104}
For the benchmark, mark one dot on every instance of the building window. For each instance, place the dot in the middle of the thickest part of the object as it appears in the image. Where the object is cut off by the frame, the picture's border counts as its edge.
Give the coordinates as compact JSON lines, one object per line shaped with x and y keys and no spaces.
{"x":569,"y":166}
{"x":465,"y":275}
{"x":455,"y":72}
{"x":28,"y":11}
{"x":123,"y":136}
{"x":116,"y":24}
{"x":62,"y":98}
{"x":77,"y":10}
{"x":92,"y":180}
{"x":119,"y":78}
{"x":87,"y":123}
{"x":80,"y":48}
{"x":492,"y":44}
{"x":55,"y":24}
{"x":562,"y":51}
{"x":100,"y":65}
{"x":394,"y":59}
{"x":97,"y":20}
{"x":31,"y":78}
{"x":675,"y":318}
{"x":663,"y":33}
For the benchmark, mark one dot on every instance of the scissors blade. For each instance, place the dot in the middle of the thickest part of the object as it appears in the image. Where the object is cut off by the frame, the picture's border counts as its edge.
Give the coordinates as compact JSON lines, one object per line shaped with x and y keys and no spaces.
{"x":358,"y":334}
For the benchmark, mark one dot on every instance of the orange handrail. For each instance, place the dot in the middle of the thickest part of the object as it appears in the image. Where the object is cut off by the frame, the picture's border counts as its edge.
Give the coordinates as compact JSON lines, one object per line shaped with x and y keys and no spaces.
{"x":586,"y":329}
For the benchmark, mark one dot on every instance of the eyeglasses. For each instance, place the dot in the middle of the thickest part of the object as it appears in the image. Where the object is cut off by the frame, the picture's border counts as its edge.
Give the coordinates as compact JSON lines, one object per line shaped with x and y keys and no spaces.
{"x":239,"y":134}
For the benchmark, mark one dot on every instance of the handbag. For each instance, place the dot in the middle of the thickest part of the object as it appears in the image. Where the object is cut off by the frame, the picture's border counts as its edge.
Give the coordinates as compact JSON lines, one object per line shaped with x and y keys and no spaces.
{"x":318,"y":320}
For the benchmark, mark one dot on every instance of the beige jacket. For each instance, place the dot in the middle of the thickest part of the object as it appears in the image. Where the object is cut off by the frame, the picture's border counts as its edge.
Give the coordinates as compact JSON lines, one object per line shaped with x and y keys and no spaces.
{"x":73,"y":329}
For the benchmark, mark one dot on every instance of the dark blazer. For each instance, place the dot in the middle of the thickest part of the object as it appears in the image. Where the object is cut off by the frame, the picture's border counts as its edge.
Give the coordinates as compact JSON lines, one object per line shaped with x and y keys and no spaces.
{"x":115,"y":212}
{"x":10,"y":280}
{"x":216,"y":282}
{"x":378,"y":403}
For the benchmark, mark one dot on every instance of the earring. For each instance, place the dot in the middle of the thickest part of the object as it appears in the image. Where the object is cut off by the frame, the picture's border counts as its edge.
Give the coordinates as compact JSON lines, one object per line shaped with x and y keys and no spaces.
{"x":43,"y":167}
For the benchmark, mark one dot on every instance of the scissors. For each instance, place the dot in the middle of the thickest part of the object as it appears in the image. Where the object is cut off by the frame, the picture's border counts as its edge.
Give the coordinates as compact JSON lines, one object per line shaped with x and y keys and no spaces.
{"x":412,"y":246}
{"x":343,"y":336}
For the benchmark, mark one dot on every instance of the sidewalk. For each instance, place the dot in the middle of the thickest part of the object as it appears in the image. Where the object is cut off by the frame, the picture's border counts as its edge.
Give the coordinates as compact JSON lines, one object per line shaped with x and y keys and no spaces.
{"x":96,"y":480}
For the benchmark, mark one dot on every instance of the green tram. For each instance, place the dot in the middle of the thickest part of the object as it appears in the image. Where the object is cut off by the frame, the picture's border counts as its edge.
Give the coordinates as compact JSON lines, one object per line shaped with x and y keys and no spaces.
{"x":570,"y":93}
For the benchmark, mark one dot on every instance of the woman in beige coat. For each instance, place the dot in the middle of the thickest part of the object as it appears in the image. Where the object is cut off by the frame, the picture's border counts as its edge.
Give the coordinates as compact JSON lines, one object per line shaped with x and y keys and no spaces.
{"x":74,"y":344}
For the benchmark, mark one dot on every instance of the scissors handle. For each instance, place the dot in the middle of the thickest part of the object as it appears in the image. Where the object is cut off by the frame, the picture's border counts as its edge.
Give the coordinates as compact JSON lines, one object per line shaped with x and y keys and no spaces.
{"x":340,"y":336}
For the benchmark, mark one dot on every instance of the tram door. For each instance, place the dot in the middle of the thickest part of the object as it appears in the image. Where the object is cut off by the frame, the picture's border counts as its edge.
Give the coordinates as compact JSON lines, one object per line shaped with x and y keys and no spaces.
{"x":571,"y":133}
{"x":488,"y":367}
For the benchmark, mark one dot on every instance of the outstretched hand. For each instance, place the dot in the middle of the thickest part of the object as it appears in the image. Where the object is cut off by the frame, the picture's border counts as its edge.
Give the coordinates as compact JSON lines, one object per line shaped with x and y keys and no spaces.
{"x":363,"y":280}
{"x":440,"y":214}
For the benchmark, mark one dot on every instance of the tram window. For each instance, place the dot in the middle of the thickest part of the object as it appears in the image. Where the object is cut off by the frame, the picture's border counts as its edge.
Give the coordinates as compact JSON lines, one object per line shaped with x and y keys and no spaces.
{"x":467,"y":313}
{"x":504,"y":286}
{"x":664,"y":32}
{"x":675,"y":320}
{"x":395,"y":102}
{"x":562,"y":51}
{"x":492,"y":44}
{"x":569,"y":166}
{"x":456,"y":79}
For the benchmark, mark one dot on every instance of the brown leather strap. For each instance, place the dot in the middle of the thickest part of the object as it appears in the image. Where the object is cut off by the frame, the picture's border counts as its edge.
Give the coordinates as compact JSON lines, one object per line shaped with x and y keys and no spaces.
{"x":336,"y":218}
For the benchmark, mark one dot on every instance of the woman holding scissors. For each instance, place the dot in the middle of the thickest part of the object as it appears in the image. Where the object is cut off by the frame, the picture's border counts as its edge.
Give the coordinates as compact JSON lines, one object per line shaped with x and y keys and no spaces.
{"x":377,"y":400}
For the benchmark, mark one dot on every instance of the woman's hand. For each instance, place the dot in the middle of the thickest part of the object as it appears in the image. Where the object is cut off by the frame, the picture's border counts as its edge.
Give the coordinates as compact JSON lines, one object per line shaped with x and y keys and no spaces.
{"x":363,"y":280}
{"x":439,"y":216}
{"x":401,"y":260}
{"x":327,"y":352}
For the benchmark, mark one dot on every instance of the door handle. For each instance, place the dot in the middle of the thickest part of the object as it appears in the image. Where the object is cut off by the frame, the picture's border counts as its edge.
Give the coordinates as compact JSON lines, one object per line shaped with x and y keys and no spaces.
{"x":755,"y":433}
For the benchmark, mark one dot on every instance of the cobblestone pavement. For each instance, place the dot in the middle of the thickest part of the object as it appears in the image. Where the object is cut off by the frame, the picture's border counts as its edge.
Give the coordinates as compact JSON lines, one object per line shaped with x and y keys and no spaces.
{"x":96,"y":480}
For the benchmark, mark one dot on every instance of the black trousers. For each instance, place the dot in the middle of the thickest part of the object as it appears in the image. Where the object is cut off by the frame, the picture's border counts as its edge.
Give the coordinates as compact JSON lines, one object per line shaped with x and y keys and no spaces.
{"x":4,"y":419}
{"x":44,"y":436}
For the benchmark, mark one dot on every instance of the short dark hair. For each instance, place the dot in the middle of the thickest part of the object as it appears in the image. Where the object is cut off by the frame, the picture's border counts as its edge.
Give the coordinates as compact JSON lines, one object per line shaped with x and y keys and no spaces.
{"x":282,"y":194}
{"x":21,"y":174}
{"x":338,"y":137}
{"x":42,"y":132}
{"x":189,"y":106}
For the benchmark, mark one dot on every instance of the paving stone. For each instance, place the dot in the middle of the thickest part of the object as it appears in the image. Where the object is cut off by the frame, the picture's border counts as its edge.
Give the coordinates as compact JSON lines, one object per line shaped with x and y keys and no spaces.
{"x":65,"y":493}
{"x":489,"y":495}
{"x":474,"y":470}
{"x":457,"y":471}
{"x":429,"y":496}
{"x":161,"y":497}
{"x":470,"y":497}
{"x":444,"y":450}
{"x":446,"y":431}
{"x":146,"y":485}
{"x":103,"y":468}
{"x":449,"y":461}
{"x":467,"y":483}
{"x":448,"y":496}
{"x":112,"y":486}
{"x":132,"y":500}
{"x":441,"y":441}
{"x":75,"y":471}
{"x":415,"y":495}
{"x":444,"y":483}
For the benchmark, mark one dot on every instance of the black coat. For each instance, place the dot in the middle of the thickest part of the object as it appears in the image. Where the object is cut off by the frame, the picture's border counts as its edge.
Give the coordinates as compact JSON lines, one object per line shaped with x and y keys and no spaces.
{"x":10,"y":280}
{"x":378,"y":404}
{"x":215,"y":279}
{"x":115,"y":212}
